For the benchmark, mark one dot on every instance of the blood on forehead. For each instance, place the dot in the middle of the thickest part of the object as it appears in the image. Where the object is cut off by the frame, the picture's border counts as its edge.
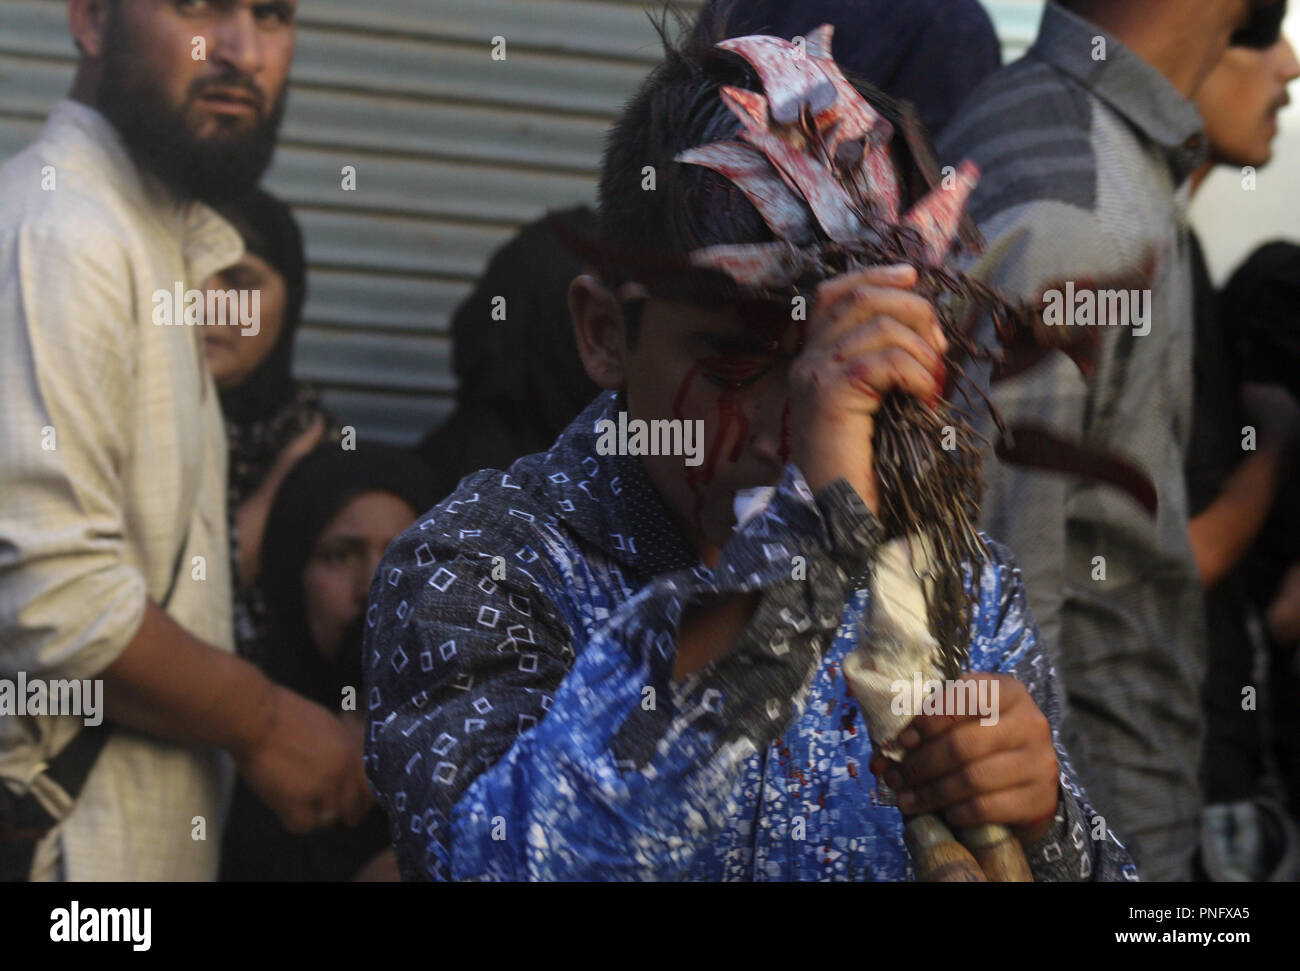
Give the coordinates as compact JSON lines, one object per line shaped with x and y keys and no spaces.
{"x":756,"y":327}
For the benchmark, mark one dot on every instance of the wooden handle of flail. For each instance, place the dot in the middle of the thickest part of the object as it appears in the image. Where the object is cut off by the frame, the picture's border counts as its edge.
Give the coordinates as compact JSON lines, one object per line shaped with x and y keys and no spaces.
{"x":936,"y":854}
{"x":982,"y":854}
{"x":998,"y":851}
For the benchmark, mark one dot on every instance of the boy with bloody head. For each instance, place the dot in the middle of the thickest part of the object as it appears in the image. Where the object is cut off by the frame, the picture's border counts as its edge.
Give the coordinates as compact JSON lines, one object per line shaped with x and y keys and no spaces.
{"x":586,"y":667}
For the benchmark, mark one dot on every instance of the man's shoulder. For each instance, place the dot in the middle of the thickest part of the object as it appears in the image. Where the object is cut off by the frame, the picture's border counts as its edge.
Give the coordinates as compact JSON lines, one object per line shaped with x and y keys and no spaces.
{"x":1044,"y":243}
{"x":1029,"y":97}
{"x":494,"y":541}
{"x":56,"y":190}
{"x":1029,"y":129}
{"x":48,"y":205}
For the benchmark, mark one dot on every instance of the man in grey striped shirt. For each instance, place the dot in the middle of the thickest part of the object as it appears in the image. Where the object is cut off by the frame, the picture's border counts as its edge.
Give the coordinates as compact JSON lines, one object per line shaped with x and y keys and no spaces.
{"x":1085,"y":146}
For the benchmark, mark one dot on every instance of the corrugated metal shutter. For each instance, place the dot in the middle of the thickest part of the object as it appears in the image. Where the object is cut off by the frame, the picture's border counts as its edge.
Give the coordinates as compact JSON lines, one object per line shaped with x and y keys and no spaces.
{"x":453,"y":151}
{"x":1017,"y":24}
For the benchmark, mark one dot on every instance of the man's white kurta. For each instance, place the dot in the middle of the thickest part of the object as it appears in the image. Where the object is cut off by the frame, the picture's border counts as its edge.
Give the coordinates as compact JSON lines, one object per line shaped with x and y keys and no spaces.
{"x":112,"y":474}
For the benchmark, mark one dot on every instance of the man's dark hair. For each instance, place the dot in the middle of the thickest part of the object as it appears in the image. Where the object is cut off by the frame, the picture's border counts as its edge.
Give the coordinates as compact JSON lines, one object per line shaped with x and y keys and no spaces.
{"x":679,"y":107}
{"x":1264,"y":28}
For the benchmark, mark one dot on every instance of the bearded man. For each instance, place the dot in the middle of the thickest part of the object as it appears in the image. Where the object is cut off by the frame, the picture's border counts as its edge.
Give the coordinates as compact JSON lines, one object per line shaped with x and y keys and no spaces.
{"x":113,"y":560}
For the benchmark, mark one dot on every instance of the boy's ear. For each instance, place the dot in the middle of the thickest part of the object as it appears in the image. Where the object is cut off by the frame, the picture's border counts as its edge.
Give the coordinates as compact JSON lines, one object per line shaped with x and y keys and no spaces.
{"x":599,"y":330}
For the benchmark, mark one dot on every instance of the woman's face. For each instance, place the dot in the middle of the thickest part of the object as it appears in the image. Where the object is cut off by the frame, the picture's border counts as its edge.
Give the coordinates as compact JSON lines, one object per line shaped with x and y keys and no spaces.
{"x":233,"y":353}
{"x":336,"y":579}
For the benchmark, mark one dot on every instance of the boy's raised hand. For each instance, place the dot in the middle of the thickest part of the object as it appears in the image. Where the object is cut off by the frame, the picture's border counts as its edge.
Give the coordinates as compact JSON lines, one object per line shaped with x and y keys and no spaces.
{"x":868,"y":334}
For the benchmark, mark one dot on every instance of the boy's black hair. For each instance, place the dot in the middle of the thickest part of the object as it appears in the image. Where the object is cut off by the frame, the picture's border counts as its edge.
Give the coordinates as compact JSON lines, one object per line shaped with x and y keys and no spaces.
{"x":679,"y":107}
{"x":676,"y":108}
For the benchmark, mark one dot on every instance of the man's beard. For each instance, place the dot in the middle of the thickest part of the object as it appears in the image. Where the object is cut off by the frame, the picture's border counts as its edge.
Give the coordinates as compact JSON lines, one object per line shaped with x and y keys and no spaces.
{"x":225,"y":166}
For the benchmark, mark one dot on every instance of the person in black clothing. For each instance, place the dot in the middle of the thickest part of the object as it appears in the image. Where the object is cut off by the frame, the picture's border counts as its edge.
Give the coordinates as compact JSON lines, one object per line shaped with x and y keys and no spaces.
{"x":271,"y":419}
{"x":1232,"y":481}
{"x":332,"y":519}
{"x":1266,"y":291}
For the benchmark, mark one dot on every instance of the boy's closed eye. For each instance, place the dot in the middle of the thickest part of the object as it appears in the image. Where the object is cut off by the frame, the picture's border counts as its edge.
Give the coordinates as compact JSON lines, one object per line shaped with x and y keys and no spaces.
{"x":736,"y":372}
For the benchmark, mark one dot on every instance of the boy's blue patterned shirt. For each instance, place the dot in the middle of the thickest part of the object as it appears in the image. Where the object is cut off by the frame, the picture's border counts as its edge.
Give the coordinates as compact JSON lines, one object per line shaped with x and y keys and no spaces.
{"x":522,"y":718}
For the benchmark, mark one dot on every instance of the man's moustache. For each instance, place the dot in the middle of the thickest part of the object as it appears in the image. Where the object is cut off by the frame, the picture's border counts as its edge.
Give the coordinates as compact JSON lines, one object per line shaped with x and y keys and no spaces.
{"x":245,"y":85}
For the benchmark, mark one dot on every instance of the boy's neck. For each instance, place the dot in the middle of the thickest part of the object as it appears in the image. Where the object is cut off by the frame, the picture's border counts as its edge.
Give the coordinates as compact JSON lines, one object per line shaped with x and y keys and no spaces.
{"x":1174,"y":38}
{"x":709,"y":554}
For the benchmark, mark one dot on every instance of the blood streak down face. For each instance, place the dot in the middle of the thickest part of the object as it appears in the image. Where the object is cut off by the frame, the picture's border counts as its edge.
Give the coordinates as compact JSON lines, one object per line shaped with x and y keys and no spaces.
{"x":726,"y":368}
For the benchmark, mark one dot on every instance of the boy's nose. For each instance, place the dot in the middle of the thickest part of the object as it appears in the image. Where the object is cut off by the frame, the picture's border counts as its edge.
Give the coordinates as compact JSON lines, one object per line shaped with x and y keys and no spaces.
{"x":770,"y":433}
{"x":234,"y":41}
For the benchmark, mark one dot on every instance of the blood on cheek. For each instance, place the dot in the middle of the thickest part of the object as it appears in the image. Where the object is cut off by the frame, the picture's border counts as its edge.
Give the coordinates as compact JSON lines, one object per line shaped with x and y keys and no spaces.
{"x":694,"y":479}
{"x":732,"y":421}
{"x":729,"y":415}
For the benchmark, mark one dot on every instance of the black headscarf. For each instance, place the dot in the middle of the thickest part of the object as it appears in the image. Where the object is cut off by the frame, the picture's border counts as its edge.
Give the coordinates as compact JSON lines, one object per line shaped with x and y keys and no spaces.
{"x":312,"y":494}
{"x":256,"y":846}
{"x":269,"y":409}
{"x":932,"y":53}
{"x":520,"y":380}
{"x":269,"y":231}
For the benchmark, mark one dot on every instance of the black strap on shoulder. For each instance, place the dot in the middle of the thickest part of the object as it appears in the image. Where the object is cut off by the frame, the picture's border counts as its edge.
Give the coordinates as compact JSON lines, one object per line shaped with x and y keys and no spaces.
{"x":24,"y":820}
{"x":71,"y":767}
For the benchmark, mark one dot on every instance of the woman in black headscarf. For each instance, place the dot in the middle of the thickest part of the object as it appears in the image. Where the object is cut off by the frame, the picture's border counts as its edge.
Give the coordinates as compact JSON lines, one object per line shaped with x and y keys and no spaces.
{"x":519,"y":378}
{"x":271,"y":420}
{"x":333,"y":517}
{"x":1262,"y":298}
